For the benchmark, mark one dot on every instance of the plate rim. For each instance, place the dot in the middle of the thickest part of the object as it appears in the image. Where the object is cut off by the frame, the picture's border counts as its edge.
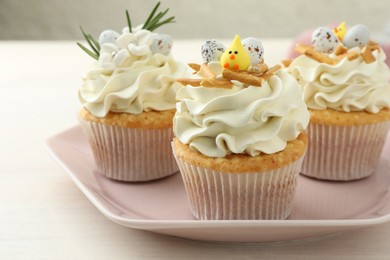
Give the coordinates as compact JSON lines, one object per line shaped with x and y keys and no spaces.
{"x":150,"y":224}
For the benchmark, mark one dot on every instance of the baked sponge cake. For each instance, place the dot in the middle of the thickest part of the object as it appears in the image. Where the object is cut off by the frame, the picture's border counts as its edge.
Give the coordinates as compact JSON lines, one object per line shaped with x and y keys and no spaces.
{"x":240,"y":137}
{"x":128,"y":98}
{"x":345,"y":84}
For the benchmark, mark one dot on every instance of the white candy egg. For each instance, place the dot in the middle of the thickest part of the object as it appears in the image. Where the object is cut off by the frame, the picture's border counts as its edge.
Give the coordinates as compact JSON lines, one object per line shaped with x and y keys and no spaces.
{"x":358,"y":35}
{"x":162,"y":43}
{"x":324,"y":40}
{"x":108,"y":36}
{"x":254,"y":48}
{"x":212,"y":51}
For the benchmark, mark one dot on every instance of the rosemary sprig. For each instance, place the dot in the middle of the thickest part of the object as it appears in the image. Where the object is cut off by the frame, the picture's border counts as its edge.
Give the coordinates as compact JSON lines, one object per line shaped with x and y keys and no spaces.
{"x":153,"y":21}
{"x":151,"y":15}
{"x":169,"y":20}
{"x":93,"y":44}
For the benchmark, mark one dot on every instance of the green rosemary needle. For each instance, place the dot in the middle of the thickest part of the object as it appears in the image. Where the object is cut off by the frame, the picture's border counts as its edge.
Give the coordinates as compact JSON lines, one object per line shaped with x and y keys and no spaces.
{"x":93,"y":44}
{"x":129,"y":21}
{"x":90,"y":53}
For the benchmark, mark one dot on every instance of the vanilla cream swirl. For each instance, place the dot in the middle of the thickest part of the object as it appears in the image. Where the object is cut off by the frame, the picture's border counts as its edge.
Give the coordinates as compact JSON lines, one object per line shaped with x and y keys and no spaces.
{"x":141,"y":84}
{"x":241,"y":120}
{"x":347,"y":86}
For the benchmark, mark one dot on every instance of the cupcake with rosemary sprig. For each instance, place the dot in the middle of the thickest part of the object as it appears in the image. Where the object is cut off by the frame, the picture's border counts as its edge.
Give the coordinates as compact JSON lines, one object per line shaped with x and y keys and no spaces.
{"x":128,"y":98}
{"x":345,"y":83}
{"x":240,"y":137}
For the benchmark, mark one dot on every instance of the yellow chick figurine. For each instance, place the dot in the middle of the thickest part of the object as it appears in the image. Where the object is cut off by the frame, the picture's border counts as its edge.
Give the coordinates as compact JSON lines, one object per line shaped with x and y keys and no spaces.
{"x":235,"y":56}
{"x":341,"y":30}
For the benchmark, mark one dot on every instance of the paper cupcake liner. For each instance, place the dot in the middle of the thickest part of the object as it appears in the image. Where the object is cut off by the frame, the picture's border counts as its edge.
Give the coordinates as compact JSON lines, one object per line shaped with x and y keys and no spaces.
{"x":216,"y":195}
{"x":344,"y":152}
{"x":131,"y":154}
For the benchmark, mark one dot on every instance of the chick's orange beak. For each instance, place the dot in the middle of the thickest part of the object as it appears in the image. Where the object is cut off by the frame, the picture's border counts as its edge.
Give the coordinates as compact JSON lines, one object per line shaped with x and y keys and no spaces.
{"x":232,"y":56}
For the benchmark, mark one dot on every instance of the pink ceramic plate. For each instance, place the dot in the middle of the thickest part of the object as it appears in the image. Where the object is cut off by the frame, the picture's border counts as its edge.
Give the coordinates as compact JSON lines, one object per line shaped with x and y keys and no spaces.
{"x":320,"y":207}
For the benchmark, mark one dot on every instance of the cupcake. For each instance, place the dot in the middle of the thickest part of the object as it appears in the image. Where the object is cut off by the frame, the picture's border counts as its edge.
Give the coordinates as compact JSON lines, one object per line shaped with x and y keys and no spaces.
{"x":128,"y":98}
{"x":345,"y":84}
{"x":240,"y":137}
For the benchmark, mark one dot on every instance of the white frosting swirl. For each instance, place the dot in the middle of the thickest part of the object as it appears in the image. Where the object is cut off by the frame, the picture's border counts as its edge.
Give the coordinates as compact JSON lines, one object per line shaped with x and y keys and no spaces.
{"x":141,"y":83}
{"x":347,"y":86}
{"x":129,"y":76}
{"x":243,"y":119}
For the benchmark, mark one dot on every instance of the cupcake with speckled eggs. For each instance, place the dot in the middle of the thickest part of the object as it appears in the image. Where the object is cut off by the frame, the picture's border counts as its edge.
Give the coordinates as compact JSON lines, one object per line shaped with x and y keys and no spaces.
{"x":128,"y":98}
{"x":345,"y":83}
{"x":240,"y":137}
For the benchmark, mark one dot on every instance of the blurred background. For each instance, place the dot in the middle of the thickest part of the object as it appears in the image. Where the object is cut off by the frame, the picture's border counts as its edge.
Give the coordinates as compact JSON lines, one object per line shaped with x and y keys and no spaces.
{"x":60,"y":20}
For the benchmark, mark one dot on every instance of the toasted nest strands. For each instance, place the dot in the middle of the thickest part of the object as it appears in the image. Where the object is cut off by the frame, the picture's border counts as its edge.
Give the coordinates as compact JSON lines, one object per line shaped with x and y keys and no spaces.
{"x":340,"y":52}
{"x":210,"y":80}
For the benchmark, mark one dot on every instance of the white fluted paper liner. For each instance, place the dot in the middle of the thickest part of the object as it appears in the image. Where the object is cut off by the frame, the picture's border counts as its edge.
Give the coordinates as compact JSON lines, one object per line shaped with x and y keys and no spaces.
{"x":344,"y":153}
{"x":216,"y":195}
{"x":131,"y":154}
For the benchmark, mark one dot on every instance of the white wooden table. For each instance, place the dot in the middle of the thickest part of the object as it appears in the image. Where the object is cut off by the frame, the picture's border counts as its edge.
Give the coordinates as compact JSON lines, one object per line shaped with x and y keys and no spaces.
{"x":43,"y":215}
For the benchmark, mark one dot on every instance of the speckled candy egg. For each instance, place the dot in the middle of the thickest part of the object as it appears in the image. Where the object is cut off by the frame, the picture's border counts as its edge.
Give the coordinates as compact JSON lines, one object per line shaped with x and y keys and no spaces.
{"x":162,"y":43}
{"x":108,"y":36}
{"x":254,"y":48}
{"x":357,"y":35}
{"x":212,"y":51}
{"x":324,"y":40}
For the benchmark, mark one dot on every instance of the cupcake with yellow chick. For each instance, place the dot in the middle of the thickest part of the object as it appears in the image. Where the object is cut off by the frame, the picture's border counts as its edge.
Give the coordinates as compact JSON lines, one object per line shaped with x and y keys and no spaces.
{"x":240,"y":137}
{"x":345,"y":84}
